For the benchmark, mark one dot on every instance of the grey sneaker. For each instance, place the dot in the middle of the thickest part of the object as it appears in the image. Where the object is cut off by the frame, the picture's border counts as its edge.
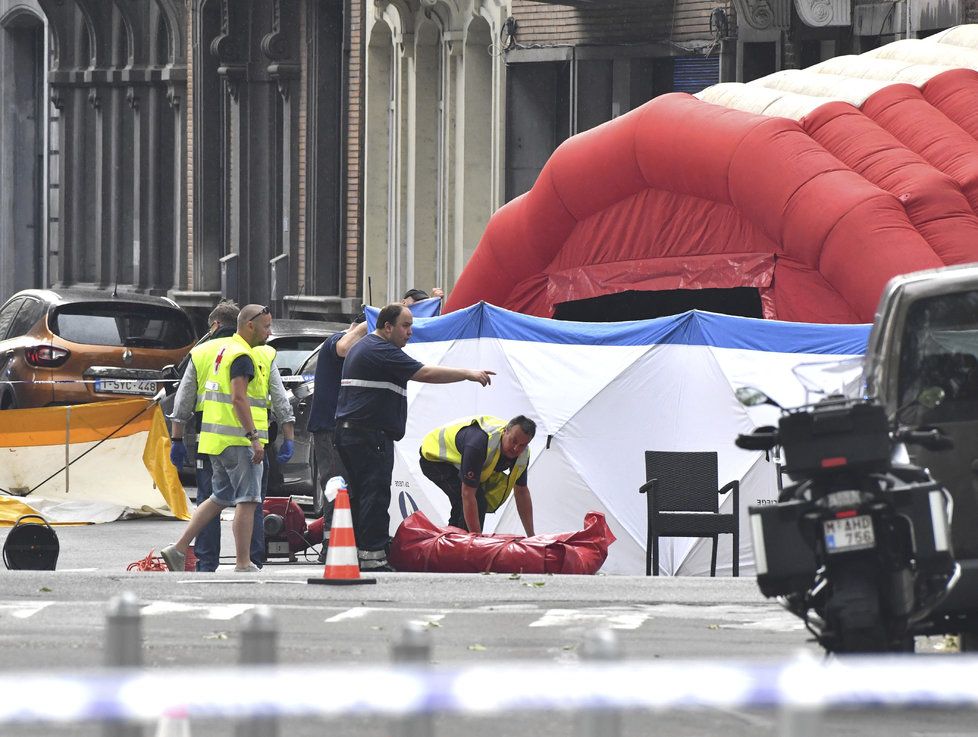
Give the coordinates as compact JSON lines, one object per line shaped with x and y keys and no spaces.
{"x":250,"y":568}
{"x":375,"y":566}
{"x":174,"y":559}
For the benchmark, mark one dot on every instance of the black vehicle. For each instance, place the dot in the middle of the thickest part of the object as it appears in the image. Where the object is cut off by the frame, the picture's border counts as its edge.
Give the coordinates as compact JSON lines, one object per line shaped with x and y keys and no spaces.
{"x":926,"y":334}
{"x":295,"y":340}
{"x":858,"y":545}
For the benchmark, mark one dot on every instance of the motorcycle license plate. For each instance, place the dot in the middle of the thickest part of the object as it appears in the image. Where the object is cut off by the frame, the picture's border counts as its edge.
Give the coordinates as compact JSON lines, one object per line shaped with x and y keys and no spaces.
{"x":849,"y":533}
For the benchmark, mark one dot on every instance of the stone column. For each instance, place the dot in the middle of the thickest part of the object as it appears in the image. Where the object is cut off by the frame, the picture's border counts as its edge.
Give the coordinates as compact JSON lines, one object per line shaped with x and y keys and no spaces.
{"x":175,"y":96}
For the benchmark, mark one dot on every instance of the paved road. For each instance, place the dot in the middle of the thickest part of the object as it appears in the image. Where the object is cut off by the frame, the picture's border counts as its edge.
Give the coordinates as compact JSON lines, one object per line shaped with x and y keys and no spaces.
{"x":55,"y":621}
{"x":187,"y":616}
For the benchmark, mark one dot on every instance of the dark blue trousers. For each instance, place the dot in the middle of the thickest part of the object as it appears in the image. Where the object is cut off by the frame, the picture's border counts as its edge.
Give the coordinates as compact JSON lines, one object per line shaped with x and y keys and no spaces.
{"x":368,"y":456}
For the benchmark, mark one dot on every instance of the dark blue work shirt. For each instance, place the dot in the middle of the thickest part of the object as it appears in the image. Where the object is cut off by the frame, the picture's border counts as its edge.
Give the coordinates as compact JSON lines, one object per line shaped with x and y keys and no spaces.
{"x":329,"y":370}
{"x":373,"y":391}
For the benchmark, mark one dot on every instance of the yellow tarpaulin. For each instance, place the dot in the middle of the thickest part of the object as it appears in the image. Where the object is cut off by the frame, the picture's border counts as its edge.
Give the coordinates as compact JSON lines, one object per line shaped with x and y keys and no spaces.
{"x":129,"y":474}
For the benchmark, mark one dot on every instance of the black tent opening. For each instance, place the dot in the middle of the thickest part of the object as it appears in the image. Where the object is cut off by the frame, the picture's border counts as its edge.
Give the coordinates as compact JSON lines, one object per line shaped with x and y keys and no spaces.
{"x":631,"y":305}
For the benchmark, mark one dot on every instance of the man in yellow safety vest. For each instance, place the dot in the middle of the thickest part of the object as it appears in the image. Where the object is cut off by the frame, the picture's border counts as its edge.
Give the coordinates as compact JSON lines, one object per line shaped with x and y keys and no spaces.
{"x":478,"y":462}
{"x":233,"y":432}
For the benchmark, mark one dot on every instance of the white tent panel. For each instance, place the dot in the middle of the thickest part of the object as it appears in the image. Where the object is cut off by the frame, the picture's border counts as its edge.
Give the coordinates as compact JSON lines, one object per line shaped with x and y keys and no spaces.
{"x":564,"y":378}
{"x":602,"y":396}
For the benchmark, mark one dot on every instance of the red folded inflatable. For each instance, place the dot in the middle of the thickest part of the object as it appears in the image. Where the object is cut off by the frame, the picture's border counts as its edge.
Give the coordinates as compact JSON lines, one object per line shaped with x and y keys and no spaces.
{"x":421,"y":546}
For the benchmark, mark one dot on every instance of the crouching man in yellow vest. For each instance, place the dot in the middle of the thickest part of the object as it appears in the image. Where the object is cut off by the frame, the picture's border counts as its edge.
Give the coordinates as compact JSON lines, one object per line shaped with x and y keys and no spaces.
{"x":233,"y":432}
{"x":478,"y":462}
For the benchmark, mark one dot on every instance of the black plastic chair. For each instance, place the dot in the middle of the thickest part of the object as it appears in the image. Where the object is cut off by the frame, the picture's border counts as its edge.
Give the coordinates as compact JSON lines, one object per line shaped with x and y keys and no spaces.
{"x":683,"y":501}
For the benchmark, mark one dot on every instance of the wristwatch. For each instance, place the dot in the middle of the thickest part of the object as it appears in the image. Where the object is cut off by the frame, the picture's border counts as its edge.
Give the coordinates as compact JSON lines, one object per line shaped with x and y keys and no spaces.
{"x":253,"y":435}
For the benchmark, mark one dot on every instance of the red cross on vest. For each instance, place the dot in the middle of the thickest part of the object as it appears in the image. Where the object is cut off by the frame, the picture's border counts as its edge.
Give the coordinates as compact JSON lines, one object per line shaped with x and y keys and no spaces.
{"x":217,"y":361}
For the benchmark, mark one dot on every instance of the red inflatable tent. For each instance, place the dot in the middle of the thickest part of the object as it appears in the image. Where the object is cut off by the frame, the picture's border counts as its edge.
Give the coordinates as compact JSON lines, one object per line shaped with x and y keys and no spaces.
{"x":813,"y":186}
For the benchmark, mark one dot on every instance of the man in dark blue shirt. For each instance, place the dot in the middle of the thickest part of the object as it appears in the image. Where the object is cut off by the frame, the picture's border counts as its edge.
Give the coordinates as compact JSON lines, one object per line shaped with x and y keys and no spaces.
{"x":371,"y":415}
{"x":322,"y":413}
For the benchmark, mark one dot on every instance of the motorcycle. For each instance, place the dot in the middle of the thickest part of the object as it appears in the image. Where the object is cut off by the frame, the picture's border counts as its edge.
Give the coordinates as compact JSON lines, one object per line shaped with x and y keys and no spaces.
{"x":858,"y":544}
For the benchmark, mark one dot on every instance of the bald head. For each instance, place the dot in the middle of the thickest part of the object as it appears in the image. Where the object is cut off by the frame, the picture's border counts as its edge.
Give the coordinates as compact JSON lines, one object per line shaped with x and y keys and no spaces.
{"x":254,"y":324}
{"x":249,"y":313}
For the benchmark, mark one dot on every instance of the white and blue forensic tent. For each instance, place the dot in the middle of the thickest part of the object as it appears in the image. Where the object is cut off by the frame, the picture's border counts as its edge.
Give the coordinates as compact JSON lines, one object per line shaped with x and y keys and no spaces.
{"x":604,"y":393}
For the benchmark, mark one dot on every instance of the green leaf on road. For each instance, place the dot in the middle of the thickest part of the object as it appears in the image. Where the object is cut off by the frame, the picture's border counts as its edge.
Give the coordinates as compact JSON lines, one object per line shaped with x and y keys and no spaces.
{"x":477,"y":648}
{"x":535,"y":584}
{"x":45,"y":589}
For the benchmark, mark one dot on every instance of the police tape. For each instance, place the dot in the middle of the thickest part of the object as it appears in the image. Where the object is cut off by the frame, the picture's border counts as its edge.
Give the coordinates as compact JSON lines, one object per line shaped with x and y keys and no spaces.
{"x":401,"y":691}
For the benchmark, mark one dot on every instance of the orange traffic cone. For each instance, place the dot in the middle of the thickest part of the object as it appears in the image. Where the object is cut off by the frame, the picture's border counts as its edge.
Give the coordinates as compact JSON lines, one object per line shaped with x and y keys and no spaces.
{"x":342,"y":566}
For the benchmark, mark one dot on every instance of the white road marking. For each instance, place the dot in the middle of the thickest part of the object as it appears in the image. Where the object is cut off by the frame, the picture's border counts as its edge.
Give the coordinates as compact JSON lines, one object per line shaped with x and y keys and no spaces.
{"x":220,"y":611}
{"x":24,"y":609}
{"x":616,"y":620}
{"x":354,"y":613}
{"x":423,"y":615}
{"x":724,"y":616}
{"x":731,"y":616}
{"x":630,"y":618}
{"x":228,"y":611}
{"x":155,"y":608}
{"x":428,"y":619}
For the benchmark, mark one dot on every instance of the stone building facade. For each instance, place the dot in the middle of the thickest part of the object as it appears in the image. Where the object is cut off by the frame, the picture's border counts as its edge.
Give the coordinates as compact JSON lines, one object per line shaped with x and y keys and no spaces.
{"x":433,"y":141}
{"x":185,"y":147}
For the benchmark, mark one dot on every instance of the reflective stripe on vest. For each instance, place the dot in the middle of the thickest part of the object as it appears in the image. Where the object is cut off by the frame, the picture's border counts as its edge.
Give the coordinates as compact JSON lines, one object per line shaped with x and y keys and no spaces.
{"x":364,"y":384}
{"x":230,"y":430}
{"x":220,"y":427}
{"x":439,"y":445}
{"x":215,"y":396}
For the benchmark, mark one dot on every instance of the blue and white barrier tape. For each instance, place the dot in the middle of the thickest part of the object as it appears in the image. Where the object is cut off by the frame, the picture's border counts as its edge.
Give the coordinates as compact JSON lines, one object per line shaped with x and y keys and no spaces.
{"x":250,"y":692}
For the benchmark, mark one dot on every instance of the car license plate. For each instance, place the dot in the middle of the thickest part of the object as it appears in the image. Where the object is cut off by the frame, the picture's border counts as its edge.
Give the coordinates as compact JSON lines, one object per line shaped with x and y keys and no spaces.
{"x":125,"y":386}
{"x":849,"y":533}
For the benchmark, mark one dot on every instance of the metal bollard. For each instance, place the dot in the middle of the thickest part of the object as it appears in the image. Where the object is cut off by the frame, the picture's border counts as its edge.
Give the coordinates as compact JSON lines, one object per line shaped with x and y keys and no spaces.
{"x":123,"y":649}
{"x":599,"y":645}
{"x":259,"y":646}
{"x":800,"y":722}
{"x":413,"y":648}
{"x":259,"y":637}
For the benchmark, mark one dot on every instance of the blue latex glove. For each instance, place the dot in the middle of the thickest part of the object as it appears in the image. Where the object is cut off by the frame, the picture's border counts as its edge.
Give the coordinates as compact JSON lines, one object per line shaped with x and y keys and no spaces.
{"x":178,"y":453}
{"x":285,"y":452}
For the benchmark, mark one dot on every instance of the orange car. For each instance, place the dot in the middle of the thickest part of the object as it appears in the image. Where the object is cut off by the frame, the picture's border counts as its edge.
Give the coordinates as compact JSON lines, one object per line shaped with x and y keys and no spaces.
{"x":71,"y":346}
